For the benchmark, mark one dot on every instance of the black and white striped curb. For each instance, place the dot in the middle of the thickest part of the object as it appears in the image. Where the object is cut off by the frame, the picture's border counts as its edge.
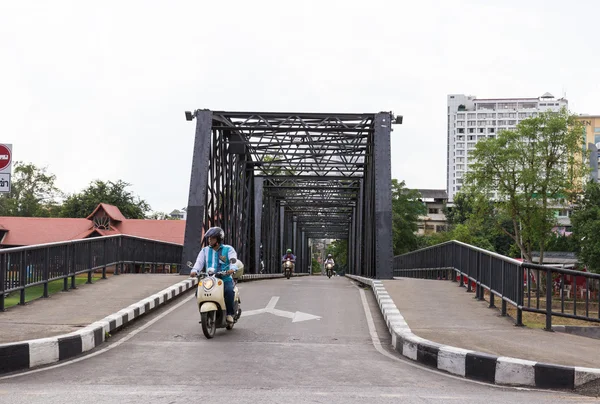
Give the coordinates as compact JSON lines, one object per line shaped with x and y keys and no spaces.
{"x":471,"y":364}
{"x":43,"y":351}
{"x":32,"y":353}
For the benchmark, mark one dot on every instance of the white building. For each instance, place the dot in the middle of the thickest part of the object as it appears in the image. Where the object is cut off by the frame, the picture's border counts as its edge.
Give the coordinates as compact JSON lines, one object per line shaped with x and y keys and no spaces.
{"x":471,"y":120}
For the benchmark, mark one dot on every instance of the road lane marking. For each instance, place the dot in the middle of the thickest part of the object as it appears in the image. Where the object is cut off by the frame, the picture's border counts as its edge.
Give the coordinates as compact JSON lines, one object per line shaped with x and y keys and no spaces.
{"x":111,"y":346}
{"x":379,"y":348}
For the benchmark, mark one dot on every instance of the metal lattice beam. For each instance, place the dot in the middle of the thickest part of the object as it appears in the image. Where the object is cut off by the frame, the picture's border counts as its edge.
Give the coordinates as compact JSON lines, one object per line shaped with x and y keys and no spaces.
{"x":274,"y":180}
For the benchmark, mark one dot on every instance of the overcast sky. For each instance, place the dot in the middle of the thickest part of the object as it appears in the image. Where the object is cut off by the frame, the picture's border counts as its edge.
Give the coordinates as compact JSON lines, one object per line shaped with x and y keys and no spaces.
{"x":98,"y":90}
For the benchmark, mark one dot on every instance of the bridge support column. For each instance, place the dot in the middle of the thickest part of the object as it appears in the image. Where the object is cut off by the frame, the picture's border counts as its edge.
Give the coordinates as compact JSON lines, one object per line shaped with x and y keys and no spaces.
{"x":197,"y":195}
{"x":258,"y":208}
{"x":383,"y":196}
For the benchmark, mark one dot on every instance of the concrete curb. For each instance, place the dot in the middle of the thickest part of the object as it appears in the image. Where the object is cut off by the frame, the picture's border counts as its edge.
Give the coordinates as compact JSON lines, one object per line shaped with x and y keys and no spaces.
{"x":28,"y":354}
{"x":471,"y":364}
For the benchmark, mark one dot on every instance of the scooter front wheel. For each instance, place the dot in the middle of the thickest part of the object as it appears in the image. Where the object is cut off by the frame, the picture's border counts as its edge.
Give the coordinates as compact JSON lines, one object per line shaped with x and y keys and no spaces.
{"x":209,"y":323}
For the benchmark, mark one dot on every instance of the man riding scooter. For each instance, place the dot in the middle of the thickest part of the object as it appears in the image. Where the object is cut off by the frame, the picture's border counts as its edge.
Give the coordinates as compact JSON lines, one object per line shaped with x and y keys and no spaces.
{"x":289,"y":256}
{"x":221,"y":257}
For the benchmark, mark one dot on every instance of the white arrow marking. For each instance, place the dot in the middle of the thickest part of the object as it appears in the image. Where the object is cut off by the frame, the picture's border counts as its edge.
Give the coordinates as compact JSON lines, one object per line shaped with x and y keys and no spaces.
{"x":272,"y":302}
{"x":296,"y":317}
{"x":253,"y":312}
{"x":299,"y":316}
{"x":282,"y":313}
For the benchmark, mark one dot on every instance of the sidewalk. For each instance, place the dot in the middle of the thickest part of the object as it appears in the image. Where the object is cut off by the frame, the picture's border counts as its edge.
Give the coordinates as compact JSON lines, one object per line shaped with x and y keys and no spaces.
{"x":66,"y":312}
{"x":444,"y":313}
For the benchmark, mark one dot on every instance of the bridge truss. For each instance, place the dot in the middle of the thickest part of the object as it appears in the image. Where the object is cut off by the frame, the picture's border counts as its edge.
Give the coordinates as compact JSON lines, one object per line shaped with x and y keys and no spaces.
{"x":274,"y":181}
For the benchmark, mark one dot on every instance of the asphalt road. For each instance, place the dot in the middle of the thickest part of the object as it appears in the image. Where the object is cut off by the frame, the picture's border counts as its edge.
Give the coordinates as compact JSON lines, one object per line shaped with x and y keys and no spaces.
{"x":266,"y":358}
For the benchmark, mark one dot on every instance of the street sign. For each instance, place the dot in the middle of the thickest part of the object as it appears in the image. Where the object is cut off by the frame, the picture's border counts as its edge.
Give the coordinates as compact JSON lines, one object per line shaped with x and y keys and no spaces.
{"x":5,"y":167}
{"x":5,"y":158}
{"x":4,"y":182}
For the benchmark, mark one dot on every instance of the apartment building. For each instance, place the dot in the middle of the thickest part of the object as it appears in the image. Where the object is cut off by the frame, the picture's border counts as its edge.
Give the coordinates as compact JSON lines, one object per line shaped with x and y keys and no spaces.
{"x":471,"y":119}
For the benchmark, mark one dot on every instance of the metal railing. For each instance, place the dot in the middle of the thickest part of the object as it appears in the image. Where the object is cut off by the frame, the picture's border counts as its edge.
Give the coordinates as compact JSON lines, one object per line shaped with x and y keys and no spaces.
{"x":526,"y":286}
{"x":25,"y":267}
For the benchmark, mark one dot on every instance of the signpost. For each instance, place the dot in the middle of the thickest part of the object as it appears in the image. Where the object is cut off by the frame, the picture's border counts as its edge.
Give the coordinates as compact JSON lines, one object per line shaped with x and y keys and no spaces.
{"x":5,"y":167}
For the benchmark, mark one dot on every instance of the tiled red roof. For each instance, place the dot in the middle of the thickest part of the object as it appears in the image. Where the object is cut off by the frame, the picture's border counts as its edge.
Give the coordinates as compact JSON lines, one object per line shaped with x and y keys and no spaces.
{"x":40,"y":230}
{"x":37,"y":230}
{"x":172,"y":231}
{"x":112,"y":211}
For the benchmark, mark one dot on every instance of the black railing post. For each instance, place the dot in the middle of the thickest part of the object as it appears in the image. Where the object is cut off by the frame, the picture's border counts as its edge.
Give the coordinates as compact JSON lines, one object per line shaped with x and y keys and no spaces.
{"x":478,"y":286}
{"x":548,"y":300}
{"x":520,"y":292}
{"x":73,"y":267}
{"x":3,"y":269}
{"x":118,"y":261}
{"x":502,"y":285}
{"x":104,"y":260}
{"x":23,"y":280}
{"x":90,"y":263}
{"x":46,"y":274}
{"x":65,"y":271}
{"x":492,"y":305}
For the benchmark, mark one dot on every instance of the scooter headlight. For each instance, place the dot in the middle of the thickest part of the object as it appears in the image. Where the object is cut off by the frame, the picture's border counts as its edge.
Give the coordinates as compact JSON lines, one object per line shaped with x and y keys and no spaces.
{"x":208,"y":283}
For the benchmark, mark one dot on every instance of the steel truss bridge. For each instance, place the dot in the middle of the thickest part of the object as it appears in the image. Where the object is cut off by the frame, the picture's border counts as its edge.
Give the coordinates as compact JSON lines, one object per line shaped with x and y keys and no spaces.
{"x":274,"y":180}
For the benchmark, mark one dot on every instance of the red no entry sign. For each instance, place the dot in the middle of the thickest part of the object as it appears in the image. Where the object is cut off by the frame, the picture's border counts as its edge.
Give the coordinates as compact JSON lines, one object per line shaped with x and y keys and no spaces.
{"x":5,"y":157}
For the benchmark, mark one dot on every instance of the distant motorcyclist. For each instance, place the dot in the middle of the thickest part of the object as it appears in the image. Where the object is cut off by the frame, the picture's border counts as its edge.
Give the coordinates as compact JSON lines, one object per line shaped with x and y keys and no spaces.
{"x":288,"y":254}
{"x":329,"y":260}
{"x":221,"y":257}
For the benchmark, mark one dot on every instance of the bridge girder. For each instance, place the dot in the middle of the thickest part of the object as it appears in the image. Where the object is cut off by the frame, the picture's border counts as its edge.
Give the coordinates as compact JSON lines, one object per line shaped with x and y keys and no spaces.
{"x":274,"y":180}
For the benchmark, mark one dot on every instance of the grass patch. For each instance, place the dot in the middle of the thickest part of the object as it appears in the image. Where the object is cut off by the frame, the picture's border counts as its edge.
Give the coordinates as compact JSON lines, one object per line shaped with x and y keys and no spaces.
{"x":536,"y":320}
{"x":36,"y":292}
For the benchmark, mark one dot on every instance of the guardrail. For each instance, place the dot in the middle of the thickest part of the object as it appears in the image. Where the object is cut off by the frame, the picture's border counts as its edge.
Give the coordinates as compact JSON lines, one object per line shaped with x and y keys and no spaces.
{"x":528,"y":287}
{"x":25,"y":267}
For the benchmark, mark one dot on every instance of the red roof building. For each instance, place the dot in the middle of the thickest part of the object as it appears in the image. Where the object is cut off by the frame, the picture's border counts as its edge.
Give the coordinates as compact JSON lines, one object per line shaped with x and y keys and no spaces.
{"x":105,"y":220}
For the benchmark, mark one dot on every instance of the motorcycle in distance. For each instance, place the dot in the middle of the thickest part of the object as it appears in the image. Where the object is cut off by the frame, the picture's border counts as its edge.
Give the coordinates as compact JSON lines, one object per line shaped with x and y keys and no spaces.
{"x":211,"y":300}
{"x":329,"y":268}
{"x":288,"y":267}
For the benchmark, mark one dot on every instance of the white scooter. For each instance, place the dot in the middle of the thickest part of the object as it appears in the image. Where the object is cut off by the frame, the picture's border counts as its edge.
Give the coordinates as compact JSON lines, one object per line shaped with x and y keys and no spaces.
{"x":211,"y":301}
{"x":329,"y":268}
{"x":288,"y":268}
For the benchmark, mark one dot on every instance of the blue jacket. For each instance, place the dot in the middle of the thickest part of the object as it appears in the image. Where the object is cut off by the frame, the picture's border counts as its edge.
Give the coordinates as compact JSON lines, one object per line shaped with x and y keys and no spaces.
{"x":219,"y":260}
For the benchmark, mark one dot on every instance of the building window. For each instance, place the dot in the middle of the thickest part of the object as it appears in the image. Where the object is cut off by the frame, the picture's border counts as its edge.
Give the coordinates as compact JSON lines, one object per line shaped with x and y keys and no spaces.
{"x":491,"y":130}
{"x":507,"y":105}
{"x":471,"y":137}
{"x":470,"y":123}
{"x":481,"y":130}
{"x":434,"y":210}
{"x":461,"y":130}
{"x":471,"y":130}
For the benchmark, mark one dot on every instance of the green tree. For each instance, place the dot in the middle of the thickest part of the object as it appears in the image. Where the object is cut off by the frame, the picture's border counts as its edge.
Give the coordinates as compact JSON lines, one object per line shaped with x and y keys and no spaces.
{"x":32,"y":193}
{"x":586,"y":227}
{"x":112,"y":193}
{"x":406,"y":209}
{"x":533,"y":168}
{"x":339,"y":250}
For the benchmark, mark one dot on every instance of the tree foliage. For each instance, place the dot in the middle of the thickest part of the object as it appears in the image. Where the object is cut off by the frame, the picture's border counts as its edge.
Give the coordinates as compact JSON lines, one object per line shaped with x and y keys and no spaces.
{"x":534,"y":169}
{"x":586,"y":227}
{"x":112,"y":193}
{"x":406,"y":209}
{"x":339,"y":250}
{"x":32,"y":194}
